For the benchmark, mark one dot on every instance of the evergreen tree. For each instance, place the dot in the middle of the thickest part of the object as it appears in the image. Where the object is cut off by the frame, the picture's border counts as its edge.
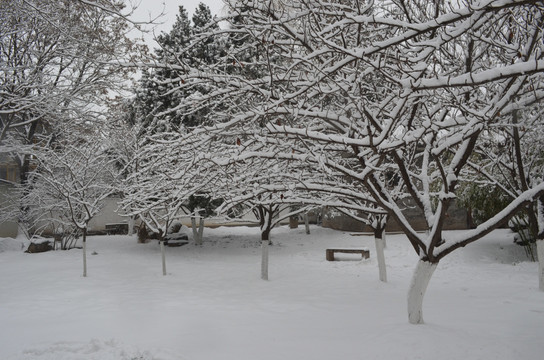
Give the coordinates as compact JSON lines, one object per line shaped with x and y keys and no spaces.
{"x":161,"y":88}
{"x":157,"y":90}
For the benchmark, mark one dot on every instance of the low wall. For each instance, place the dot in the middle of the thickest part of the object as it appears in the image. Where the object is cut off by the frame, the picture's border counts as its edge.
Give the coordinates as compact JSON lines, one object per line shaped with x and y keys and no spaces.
{"x":456,"y":219}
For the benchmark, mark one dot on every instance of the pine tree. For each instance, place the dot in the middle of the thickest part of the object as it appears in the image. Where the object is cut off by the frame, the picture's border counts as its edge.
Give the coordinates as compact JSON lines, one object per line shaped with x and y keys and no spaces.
{"x":208,"y":50}
{"x":161,"y":88}
{"x":157,"y":91}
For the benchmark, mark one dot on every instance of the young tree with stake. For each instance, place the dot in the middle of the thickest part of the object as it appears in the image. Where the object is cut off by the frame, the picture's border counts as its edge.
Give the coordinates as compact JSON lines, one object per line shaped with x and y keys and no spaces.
{"x":78,"y":172}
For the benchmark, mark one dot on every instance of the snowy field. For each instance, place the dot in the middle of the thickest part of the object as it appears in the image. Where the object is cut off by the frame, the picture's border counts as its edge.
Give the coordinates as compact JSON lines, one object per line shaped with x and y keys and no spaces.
{"x":483,"y":301}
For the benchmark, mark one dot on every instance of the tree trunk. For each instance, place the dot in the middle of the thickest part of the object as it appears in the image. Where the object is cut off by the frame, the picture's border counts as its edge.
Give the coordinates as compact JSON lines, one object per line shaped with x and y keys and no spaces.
{"x":163,"y":257}
{"x":540,"y":242}
{"x":265,"y":220}
{"x":23,"y":163}
{"x":264,"y":259}
{"x":84,"y":252}
{"x":533,"y":222}
{"x":195,"y":229}
{"x":200,"y":229}
{"x":130,"y":226}
{"x":265,"y":243}
{"x":378,"y":240}
{"x":540,"y":255}
{"x":293,"y":222}
{"x":420,"y":280}
{"x":307,"y":223}
{"x":470,"y":219}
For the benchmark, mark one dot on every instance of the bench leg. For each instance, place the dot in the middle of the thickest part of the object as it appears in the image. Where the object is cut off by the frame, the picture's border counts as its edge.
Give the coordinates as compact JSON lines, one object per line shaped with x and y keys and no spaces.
{"x":330,"y":255}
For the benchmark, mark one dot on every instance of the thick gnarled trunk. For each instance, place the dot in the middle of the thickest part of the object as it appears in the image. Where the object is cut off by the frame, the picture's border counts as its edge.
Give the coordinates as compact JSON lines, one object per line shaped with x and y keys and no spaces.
{"x":420,"y":280}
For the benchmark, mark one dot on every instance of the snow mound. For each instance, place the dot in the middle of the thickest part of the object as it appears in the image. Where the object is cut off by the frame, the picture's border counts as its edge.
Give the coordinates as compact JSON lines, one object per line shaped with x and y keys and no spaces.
{"x":93,"y":350}
{"x":10,"y":244}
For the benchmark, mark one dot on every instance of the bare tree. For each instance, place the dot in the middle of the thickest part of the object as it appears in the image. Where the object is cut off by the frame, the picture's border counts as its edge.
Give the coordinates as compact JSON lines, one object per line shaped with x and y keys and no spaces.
{"x":394,"y":95}
{"x":60,"y":61}
{"x":74,"y":177}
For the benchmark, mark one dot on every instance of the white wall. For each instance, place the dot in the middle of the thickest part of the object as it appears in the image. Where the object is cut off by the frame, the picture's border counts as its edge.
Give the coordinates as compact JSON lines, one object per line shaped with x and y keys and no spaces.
{"x":108,"y":215}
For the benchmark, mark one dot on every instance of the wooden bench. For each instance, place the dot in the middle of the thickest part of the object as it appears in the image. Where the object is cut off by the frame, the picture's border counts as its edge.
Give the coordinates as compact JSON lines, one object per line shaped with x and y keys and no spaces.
{"x":330,"y":252}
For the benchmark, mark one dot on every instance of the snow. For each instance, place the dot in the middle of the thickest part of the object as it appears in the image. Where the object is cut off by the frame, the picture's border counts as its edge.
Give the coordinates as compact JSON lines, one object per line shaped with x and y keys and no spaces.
{"x":482,"y":301}
{"x":9,"y":244}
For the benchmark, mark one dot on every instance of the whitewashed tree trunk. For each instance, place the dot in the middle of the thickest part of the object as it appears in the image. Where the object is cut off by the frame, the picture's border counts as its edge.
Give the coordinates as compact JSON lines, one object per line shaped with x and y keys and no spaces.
{"x":163,"y":256}
{"x":540,"y":242}
{"x":84,"y":258}
{"x":200,"y":229}
{"x":131,"y":226}
{"x":381,"y":258}
{"x":307,"y":223}
{"x":420,"y":280}
{"x":195,"y":229}
{"x":540,"y":255}
{"x":384,"y":240}
{"x":264,"y":259}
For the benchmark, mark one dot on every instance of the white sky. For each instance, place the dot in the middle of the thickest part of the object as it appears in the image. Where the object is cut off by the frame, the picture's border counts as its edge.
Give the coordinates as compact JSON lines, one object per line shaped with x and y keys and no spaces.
{"x":149,"y":9}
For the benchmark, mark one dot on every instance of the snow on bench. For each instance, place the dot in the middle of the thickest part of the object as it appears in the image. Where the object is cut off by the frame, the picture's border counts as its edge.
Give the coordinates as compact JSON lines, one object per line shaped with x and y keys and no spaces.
{"x":363,"y":251}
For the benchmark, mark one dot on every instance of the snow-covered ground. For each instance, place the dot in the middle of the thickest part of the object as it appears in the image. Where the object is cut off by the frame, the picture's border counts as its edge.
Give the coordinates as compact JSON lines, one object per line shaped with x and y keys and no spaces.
{"x":483,"y":301}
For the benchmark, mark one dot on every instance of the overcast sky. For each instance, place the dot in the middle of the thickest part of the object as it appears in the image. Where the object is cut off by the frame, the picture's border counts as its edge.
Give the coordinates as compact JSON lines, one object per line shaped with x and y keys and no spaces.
{"x":153,"y":8}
